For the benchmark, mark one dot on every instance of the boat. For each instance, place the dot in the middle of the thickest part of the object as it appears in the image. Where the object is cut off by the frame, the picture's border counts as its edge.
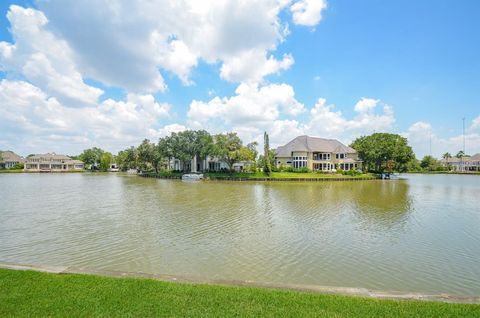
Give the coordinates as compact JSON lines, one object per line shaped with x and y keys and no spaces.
{"x":192,"y":177}
{"x":390,"y":176}
{"x":113,"y":168}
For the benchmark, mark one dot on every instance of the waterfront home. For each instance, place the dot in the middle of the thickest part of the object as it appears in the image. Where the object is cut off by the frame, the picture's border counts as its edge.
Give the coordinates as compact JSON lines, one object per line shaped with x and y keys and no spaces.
{"x":464,"y":164}
{"x":211,"y":164}
{"x":317,"y":154}
{"x":52,"y":162}
{"x":8,"y":159}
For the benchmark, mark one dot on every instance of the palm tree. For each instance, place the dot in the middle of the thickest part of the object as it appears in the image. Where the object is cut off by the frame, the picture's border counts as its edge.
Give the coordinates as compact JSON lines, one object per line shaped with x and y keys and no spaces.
{"x":460,"y":154}
{"x":447,"y":156}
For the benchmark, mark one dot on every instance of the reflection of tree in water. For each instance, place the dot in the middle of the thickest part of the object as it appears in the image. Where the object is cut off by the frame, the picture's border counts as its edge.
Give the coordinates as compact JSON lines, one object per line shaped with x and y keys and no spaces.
{"x":385,"y":203}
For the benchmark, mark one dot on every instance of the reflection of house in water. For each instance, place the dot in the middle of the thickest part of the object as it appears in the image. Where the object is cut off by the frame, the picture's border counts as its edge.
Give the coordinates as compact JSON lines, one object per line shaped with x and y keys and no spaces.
{"x":52,"y":162}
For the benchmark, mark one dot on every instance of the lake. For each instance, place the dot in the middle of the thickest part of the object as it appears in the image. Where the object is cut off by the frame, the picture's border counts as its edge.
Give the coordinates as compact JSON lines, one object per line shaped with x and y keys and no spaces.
{"x":420,"y":234}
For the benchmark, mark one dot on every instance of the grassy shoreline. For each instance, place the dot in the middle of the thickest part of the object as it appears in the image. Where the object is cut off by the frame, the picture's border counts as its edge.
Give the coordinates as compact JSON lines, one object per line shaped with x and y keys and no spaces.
{"x":29,"y":293}
{"x":259,"y":176}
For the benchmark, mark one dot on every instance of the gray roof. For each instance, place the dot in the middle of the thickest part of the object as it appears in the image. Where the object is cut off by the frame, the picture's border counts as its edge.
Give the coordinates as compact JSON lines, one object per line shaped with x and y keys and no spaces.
{"x":49,"y":156}
{"x":475,"y":157}
{"x":10,"y":156}
{"x":313,"y":144}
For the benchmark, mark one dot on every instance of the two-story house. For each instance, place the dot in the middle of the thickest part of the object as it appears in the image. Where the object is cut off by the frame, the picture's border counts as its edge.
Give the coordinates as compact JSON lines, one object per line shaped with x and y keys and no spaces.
{"x":52,"y":162}
{"x":317,"y":154}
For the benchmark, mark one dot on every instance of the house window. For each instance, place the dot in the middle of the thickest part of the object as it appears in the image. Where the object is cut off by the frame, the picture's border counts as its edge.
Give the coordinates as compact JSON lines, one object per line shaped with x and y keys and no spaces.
{"x":321,"y":156}
{"x":299,"y":162}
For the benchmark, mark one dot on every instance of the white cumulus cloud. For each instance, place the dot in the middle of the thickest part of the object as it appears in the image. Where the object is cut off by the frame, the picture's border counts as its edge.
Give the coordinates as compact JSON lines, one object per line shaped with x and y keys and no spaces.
{"x":32,"y":121}
{"x":308,"y":12}
{"x":45,"y":60}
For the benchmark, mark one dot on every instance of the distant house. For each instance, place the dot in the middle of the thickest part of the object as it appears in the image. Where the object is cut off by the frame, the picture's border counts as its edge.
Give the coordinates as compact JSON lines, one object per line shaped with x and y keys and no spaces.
{"x":211,"y":164}
{"x":317,"y":154}
{"x":197,"y":165}
{"x":8,"y":159}
{"x":464,"y":164}
{"x":52,"y":162}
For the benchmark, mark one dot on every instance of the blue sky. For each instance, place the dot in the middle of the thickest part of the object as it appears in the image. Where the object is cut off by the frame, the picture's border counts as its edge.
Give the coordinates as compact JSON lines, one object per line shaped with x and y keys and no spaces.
{"x":75,"y":77}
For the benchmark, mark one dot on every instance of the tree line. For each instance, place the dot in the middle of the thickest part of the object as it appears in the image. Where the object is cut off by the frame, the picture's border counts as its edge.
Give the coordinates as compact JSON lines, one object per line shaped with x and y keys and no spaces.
{"x":379,"y":152}
{"x":183,"y":146}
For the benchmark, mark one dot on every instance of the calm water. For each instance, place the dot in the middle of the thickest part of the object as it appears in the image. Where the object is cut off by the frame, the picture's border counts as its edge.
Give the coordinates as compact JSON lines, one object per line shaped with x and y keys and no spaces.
{"x":421,"y":234}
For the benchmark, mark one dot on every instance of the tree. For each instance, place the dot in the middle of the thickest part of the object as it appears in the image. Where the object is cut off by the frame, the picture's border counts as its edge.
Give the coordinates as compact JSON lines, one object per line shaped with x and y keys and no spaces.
{"x":183,"y":146}
{"x":91,"y":156}
{"x":105,"y":161}
{"x":164,"y":147}
{"x":253,"y":148}
{"x":204,"y":146}
{"x":267,"y":166}
{"x":128,"y":159}
{"x":429,"y":163}
{"x":413,"y":166}
{"x":460,"y":154}
{"x":270,"y":158}
{"x":377,"y":149}
{"x":227,"y":148}
{"x":447,"y":156}
{"x":146,"y":153}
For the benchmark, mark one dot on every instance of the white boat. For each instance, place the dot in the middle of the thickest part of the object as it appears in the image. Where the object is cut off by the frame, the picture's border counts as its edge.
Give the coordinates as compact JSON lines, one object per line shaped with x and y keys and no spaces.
{"x":192,"y":176}
{"x":113,"y":168}
{"x":390,"y":176}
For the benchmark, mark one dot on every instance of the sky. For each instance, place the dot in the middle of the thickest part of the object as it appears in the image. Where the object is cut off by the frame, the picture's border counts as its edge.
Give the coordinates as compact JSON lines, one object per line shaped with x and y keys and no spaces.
{"x":109,"y":73}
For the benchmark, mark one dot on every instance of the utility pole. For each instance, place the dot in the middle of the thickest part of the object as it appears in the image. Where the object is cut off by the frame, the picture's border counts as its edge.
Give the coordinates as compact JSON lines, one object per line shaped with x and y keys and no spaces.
{"x":461,"y":159}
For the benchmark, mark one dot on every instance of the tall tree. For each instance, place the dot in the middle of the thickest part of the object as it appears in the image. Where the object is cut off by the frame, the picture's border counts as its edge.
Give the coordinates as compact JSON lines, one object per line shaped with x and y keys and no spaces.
{"x":227,"y":148}
{"x":267,"y":166}
{"x":183,"y":146}
{"x":105,"y":161}
{"x":377,"y":149}
{"x":447,"y":156}
{"x":145,"y":154}
{"x":460,"y":154}
{"x":204,"y":145}
{"x":164,"y":148}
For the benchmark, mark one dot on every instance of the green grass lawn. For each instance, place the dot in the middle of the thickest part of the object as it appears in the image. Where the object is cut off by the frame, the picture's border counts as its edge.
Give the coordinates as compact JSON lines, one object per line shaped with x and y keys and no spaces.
{"x":34,"y":294}
{"x":11,"y":170}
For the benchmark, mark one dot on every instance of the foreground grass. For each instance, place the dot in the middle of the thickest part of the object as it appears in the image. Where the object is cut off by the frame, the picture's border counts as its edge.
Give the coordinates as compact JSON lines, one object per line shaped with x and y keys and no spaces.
{"x":27,"y":293}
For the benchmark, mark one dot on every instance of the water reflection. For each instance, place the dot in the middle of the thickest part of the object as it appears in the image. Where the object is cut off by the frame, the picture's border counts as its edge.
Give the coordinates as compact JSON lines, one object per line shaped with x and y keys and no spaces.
{"x":418,"y":234}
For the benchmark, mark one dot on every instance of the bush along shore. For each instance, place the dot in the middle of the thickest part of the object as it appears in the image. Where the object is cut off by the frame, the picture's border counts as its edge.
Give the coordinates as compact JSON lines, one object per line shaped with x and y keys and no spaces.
{"x":36,"y":294}
{"x":259,"y":176}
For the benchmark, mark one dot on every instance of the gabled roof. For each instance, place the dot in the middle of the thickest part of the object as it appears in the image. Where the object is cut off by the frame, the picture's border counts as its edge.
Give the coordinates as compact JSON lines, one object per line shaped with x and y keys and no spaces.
{"x":10,"y":156}
{"x":313,"y":144}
